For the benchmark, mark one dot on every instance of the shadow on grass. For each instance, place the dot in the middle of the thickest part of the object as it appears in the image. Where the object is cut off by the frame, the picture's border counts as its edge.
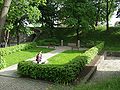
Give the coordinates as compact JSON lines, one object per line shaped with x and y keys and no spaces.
{"x":74,"y":51}
{"x":37,"y":49}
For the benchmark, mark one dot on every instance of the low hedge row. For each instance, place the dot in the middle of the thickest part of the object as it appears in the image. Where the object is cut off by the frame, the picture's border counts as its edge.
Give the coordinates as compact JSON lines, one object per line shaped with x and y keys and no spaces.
{"x":64,"y":73}
{"x":13,"y":49}
{"x":92,"y":52}
{"x":56,"y":73}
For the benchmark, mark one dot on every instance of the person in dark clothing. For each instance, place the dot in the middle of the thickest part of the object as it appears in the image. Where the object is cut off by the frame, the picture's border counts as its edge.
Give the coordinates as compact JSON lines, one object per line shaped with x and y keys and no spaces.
{"x":39,"y":57}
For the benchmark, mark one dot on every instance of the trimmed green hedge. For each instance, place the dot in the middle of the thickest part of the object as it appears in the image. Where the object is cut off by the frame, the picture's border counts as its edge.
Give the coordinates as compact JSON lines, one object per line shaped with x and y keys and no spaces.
{"x":56,"y":73}
{"x":64,"y":73}
{"x":92,"y":52}
{"x":13,"y":49}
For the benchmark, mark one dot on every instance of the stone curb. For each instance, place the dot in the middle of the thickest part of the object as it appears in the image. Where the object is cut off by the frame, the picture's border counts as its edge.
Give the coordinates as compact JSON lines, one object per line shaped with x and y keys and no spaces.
{"x":93,"y":70}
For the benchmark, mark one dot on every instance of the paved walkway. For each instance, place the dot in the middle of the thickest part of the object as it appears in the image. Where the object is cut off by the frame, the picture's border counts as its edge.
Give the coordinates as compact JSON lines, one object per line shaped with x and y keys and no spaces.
{"x":107,"y":69}
{"x":8,"y":83}
{"x":11,"y":71}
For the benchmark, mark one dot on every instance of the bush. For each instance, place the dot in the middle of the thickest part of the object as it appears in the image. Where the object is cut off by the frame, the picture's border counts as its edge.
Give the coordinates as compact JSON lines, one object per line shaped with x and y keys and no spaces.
{"x":12,"y":49}
{"x":92,"y":52}
{"x":64,"y":73}
{"x":56,"y":73}
{"x":2,"y":62}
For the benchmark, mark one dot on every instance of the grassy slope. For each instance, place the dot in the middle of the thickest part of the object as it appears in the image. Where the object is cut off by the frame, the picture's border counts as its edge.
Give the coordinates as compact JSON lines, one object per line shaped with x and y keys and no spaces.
{"x":23,"y":55}
{"x":110,"y":84}
{"x":64,"y":57}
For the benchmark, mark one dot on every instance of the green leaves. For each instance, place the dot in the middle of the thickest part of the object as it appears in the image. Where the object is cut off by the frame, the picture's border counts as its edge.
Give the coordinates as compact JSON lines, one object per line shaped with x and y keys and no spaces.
{"x":76,"y":12}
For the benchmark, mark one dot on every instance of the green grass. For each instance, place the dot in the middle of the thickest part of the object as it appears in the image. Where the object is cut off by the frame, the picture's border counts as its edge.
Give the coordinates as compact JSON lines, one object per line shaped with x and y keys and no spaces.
{"x":23,"y":55}
{"x":64,"y":57}
{"x":107,"y":84}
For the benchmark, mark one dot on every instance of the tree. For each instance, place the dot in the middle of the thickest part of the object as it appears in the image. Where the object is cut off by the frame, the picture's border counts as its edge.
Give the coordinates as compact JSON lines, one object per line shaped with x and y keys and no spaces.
{"x":110,"y":8}
{"x":118,"y":12}
{"x":3,"y":15}
{"x":100,"y":11}
{"x":78,"y":14}
{"x":49,"y":15}
{"x":20,"y":12}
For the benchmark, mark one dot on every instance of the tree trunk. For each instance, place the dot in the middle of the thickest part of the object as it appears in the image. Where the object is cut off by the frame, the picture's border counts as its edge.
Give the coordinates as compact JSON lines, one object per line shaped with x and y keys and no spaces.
{"x":107,"y":17}
{"x":77,"y":36}
{"x":18,"y":35}
{"x":6,"y":37}
{"x":97,"y":17}
{"x":3,"y":15}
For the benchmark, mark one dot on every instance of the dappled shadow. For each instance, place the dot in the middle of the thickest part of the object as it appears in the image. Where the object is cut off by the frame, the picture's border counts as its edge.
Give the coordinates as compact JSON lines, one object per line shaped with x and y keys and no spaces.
{"x":74,"y":51}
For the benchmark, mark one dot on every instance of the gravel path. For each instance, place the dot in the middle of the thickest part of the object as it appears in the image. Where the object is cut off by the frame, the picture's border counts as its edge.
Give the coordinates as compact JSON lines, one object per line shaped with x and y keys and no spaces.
{"x":107,"y":69}
{"x":7,"y":83}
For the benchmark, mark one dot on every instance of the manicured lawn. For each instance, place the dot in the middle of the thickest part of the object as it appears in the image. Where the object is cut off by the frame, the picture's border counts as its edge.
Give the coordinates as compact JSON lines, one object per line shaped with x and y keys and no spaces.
{"x":64,"y":57}
{"x":23,"y":55}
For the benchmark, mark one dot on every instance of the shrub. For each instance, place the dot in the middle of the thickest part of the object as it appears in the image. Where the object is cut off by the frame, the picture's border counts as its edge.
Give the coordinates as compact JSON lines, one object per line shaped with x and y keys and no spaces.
{"x":56,"y":73}
{"x":12,"y":49}
{"x":2,"y":62}
{"x":64,"y":73}
{"x":92,"y":52}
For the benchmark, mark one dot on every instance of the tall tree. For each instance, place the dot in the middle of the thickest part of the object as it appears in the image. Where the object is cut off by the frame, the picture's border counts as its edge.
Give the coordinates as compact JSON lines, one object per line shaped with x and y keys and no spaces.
{"x":3,"y":15}
{"x":100,"y":11}
{"x":20,"y":12}
{"x":49,"y":15}
{"x":78,"y":14}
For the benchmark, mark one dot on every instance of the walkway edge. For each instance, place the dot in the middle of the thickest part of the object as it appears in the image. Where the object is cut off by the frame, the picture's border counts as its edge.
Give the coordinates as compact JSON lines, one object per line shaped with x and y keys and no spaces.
{"x":93,"y":70}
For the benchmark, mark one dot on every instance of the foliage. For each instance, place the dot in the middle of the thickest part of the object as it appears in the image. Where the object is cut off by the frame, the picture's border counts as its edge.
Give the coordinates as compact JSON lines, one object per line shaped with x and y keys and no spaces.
{"x":23,"y":10}
{"x":65,"y":73}
{"x":78,"y":13}
{"x":49,"y":16}
{"x":13,"y":49}
{"x":92,"y":52}
{"x":55,"y":73}
{"x":2,"y":62}
{"x":1,"y":3}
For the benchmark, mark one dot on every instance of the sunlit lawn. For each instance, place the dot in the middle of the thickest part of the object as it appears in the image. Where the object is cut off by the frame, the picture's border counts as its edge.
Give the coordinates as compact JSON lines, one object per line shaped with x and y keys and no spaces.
{"x":64,"y":57}
{"x":23,"y":55}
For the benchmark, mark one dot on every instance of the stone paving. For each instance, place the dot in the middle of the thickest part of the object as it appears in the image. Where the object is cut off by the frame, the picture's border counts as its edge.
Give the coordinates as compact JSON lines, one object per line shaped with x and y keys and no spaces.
{"x":8,"y":83}
{"x":108,"y":68}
